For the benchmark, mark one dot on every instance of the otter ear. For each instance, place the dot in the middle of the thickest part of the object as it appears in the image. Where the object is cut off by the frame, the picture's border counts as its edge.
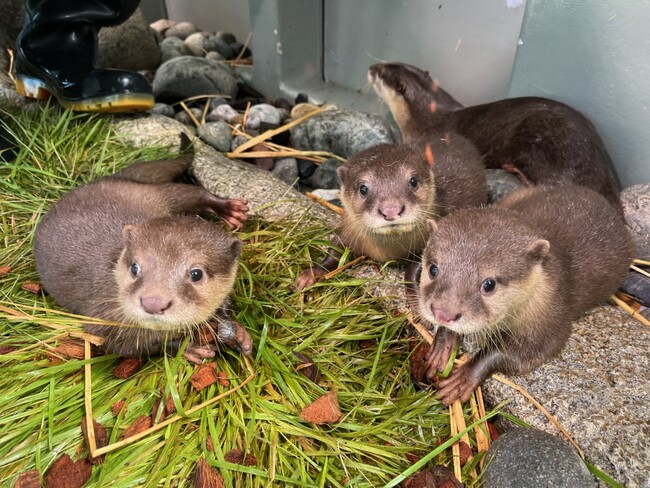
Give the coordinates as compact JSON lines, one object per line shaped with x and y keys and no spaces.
{"x":236,"y":247}
{"x":432,"y":225}
{"x":343,"y":172}
{"x":539,"y":249}
{"x":128,"y":232}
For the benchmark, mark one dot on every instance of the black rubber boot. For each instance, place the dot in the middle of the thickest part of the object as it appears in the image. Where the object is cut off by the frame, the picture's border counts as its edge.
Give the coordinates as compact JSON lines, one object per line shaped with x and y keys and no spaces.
{"x":55,"y":55}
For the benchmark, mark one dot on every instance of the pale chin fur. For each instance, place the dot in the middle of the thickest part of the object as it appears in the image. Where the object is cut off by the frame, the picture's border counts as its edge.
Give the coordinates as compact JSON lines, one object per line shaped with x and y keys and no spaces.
{"x":461,"y":326}
{"x":392,"y":228}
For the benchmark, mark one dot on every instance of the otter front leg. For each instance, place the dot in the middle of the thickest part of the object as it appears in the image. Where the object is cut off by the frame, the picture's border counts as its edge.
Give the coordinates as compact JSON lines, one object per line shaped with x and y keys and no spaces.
{"x":444,"y":342}
{"x":464,"y":379}
{"x":311,"y":275}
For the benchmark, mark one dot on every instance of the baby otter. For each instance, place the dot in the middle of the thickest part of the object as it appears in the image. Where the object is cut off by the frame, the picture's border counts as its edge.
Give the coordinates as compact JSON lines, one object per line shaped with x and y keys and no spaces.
{"x":541,"y":140}
{"x":390,"y":191}
{"x":123,"y":249}
{"x":512,"y":278}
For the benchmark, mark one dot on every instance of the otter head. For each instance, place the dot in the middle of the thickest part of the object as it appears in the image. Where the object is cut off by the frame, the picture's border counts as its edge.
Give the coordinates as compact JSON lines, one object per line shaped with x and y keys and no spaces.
{"x":481,"y":268}
{"x":174,"y":272}
{"x":410,"y":93}
{"x":388,"y":189}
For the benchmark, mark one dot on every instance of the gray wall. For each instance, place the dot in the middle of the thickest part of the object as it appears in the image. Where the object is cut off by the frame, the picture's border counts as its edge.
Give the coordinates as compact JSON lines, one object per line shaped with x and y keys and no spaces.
{"x":213,"y":15}
{"x":594,"y":55}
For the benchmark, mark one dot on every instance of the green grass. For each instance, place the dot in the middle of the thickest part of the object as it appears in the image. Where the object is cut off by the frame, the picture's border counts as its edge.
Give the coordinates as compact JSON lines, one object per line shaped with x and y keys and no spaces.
{"x":361,"y":350}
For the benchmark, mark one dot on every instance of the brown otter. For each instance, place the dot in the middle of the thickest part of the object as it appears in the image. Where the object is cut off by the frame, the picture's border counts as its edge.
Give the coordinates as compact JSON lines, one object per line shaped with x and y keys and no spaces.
{"x":512,"y":278}
{"x":389,"y":191}
{"x":121,"y":249}
{"x":541,"y":140}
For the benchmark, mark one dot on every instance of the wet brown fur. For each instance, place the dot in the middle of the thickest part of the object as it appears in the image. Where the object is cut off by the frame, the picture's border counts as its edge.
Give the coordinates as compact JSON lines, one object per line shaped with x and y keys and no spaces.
{"x":85,"y":245}
{"x":554,"y":253}
{"x":546,"y":141}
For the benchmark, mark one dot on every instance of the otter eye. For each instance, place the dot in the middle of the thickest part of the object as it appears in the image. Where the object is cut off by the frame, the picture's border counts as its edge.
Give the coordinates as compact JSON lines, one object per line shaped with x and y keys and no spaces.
{"x":196,"y":274}
{"x":433,"y":270}
{"x":488,"y":286}
{"x":363,"y":189}
{"x":413,"y":182}
{"x":135,"y":269}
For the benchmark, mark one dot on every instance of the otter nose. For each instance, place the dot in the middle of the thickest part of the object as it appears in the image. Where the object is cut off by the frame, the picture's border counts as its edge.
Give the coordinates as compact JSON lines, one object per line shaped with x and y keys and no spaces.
{"x":444,"y":316}
{"x":155,"y":305}
{"x":391,"y":212}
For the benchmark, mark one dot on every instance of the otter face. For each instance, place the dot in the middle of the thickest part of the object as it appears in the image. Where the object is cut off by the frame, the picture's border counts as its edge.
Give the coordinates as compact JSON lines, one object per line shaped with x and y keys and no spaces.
{"x":388,"y":189}
{"x":479,"y":271}
{"x":174,"y":272}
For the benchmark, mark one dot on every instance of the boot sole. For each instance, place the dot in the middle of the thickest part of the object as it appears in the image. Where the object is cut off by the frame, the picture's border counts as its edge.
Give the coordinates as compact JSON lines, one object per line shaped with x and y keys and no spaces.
{"x":30,"y":87}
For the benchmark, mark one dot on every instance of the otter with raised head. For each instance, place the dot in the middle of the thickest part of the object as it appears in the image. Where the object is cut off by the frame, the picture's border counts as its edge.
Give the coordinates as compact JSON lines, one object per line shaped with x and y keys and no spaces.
{"x":541,"y":140}
{"x":389,"y":191}
{"x":512,"y":278}
{"x":129,"y":248}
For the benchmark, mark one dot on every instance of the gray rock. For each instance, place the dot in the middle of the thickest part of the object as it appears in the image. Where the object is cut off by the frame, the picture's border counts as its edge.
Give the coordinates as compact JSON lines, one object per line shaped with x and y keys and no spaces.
{"x":500,"y":183}
{"x":214,"y":56}
{"x":217,"y":134}
{"x":161,"y":25}
{"x":213,"y":43}
{"x":194,"y":43}
{"x":325,"y":175}
{"x":530,"y":458}
{"x":343,"y":133}
{"x":163,"y":109}
{"x":636,"y":205}
{"x":132,"y":45}
{"x":188,"y":76}
{"x":286,"y":169}
{"x":227,"y":37}
{"x":217,"y":101}
{"x":224,"y":112}
{"x":237,"y":141}
{"x":331,"y":195}
{"x":184,"y":118}
{"x":262,"y":112}
{"x":306,"y":170}
{"x":172,"y":47}
{"x":181,"y":30}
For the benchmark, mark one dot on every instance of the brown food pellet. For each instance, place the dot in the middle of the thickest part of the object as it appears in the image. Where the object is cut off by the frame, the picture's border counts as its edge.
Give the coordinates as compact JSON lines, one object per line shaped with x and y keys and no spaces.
{"x":422,"y":479}
{"x":101,"y":439}
{"x":237,"y":456}
{"x":206,"y":476}
{"x":64,"y":473}
{"x":465,"y":452}
{"x":413,"y":457}
{"x":142,"y":423}
{"x":209,"y":445}
{"x":128,"y":367}
{"x":324,"y":410}
{"x":170,"y":407}
{"x":203,"y":377}
{"x":223,"y":378}
{"x":307,"y":367}
{"x":494,"y":433}
{"x":419,"y":366}
{"x":70,"y":349}
{"x":31,"y":287}
{"x":118,"y":406}
{"x":4,"y":271}
{"x":7,"y":349}
{"x":28,"y":479}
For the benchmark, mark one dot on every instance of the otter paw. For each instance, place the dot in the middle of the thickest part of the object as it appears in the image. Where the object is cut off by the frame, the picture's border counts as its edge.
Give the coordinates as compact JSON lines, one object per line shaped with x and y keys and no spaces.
{"x":232,"y":211}
{"x":196,"y":354}
{"x":459,"y":386}
{"x":233,"y":334}
{"x":308,"y":277}
{"x":444,"y":342}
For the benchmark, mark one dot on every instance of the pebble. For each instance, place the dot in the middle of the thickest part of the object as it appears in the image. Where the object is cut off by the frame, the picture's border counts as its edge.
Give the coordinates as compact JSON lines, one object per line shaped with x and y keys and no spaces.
{"x":305,"y":169}
{"x":237,"y":141}
{"x":325,"y":175}
{"x":342,"y":132}
{"x":500,"y":184}
{"x":530,"y":458}
{"x":172,"y":47}
{"x":224,"y":112}
{"x":217,"y":101}
{"x":194,"y":43}
{"x":217,"y":134}
{"x":163,"y":109}
{"x":262,"y":112}
{"x":238,"y":47}
{"x":636,"y":206}
{"x":227,"y":37}
{"x":331,"y":195}
{"x":161,"y":25}
{"x":213,"y":43}
{"x":188,"y":76}
{"x":286,"y":169}
{"x":214,"y":56}
{"x":185,"y":118}
{"x":181,"y":30}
